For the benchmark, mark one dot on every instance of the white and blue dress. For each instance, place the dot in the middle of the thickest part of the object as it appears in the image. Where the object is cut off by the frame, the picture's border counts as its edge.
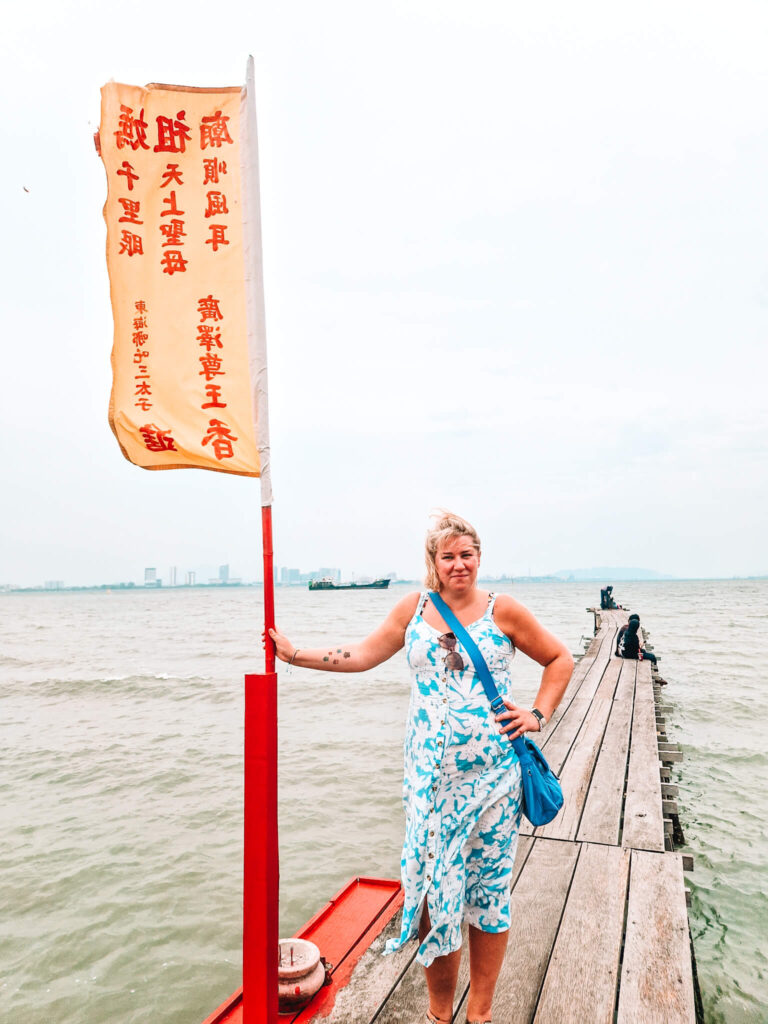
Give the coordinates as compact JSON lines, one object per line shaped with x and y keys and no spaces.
{"x":461,"y":791}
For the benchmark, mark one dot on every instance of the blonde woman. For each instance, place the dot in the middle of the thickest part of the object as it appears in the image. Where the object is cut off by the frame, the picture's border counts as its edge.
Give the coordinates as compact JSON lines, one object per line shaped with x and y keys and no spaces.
{"x":462,"y":779}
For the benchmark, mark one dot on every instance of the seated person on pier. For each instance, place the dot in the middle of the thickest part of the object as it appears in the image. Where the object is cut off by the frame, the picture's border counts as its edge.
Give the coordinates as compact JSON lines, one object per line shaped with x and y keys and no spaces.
{"x":462,"y":784}
{"x":628,"y":642}
{"x":606,"y":598}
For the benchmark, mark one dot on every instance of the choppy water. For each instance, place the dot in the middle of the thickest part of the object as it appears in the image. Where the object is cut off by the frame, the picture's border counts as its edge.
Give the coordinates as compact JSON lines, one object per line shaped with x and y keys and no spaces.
{"x":121,"y":784}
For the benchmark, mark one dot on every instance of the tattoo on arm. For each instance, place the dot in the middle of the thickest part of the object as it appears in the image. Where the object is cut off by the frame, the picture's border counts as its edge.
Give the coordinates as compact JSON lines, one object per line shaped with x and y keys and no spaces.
{"x":335,"y":661}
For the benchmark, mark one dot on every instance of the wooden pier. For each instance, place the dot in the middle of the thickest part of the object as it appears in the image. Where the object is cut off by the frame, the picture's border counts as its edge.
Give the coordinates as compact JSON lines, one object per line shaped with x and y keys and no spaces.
{"x":599,"y":921}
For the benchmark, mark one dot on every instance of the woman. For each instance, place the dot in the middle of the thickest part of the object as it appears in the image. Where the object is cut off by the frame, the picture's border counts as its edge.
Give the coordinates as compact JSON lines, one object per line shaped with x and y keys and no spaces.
{"x":628,"y":643}
{"x":462,"y":777}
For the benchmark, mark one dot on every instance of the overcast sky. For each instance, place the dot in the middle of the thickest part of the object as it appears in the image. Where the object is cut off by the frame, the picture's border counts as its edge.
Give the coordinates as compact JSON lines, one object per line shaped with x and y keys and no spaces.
{"x":516,"y":264}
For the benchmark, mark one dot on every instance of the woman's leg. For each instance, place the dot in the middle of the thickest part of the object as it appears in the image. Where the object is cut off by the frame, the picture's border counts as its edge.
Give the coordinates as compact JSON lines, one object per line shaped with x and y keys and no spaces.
{"x":486,"y":955}
{"x":441,"y":976}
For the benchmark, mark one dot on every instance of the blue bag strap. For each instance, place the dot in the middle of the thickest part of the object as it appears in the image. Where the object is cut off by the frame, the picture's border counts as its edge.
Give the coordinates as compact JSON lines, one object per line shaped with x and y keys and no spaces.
{"x":469,"y":645}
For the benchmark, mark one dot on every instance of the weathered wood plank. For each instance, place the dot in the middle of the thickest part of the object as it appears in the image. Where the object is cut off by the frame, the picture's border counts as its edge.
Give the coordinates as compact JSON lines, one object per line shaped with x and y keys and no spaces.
{"x":580,"y":984}
{"x":643,"y":824}
{"x":626,"y":686}
{"x":558,"y":743}
{"x":537,"y":903}
{"x":596,"y":658}
{"x":601,"y":819}
{"x":524,"y":847}
{"x":644,"y":678}
{"x":375,"y":976}
{"x":560,"y":738}
{"x":607,"y":688}
{"x":582,"y":668}
{"x":577,"y":772}
{"x":656,"y":974}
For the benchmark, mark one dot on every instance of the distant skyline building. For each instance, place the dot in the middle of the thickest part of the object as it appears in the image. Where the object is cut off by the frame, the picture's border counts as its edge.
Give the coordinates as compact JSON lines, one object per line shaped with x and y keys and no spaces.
{"x":54,"y":584}
{"x":150,"y":577}
{"x":172,"y":576}
{"x":224,"y":574}
{"x":191,"y":578}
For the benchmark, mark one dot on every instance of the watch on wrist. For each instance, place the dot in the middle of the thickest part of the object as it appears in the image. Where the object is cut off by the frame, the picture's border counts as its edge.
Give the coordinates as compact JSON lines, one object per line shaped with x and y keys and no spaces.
{"x":541,"y":719}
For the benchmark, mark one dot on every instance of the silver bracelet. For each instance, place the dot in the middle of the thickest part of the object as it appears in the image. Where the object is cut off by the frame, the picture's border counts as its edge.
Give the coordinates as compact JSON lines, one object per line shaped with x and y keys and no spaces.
{"x":296,"y":651}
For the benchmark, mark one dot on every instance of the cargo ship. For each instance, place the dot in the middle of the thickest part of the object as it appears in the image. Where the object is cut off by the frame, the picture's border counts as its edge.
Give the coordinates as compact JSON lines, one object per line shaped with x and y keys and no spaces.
{"x":329,"y":584}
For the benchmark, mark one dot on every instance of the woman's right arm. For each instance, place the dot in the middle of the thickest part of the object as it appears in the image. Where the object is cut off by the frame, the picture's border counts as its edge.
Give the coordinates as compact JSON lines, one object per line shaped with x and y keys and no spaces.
{"x":382,"y":643}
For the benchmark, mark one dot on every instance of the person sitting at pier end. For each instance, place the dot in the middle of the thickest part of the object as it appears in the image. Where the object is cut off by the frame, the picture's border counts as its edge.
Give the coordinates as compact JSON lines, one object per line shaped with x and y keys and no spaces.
{"x":462,"y":789}
{"x":628,"y":643}
{"x":607,"y":600}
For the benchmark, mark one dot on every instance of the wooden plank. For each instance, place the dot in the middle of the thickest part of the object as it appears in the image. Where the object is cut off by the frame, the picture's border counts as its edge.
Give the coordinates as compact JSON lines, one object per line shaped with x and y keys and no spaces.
{"x":557,"y":744}
{"x":607,"y":688}
{"x":589,"y":664}
{"x":581,"y":669}
{"x":626,"y":687}
{"x":643,"y":824}
{"x":580,"y":984}
{"x":594,"y":652}
{"x":375,"y":976}
{"x":524,"y":848}
{"x":644,"y":679}
{"x":537,"y":903}
{"x":594,"y":679}
{"x":577,"y":772}
{"x":601,"y":819}
{"x":656,"y":974}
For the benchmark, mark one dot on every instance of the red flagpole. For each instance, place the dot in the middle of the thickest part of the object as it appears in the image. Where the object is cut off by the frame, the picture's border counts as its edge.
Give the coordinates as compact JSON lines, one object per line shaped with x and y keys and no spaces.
{"x":261,"y":874}
{"x":261,"y":871}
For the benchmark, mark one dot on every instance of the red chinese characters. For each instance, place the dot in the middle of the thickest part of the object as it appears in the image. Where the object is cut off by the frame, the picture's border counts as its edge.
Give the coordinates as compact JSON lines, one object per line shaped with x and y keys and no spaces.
{"x":172,"y":231}
{"x":131,"y":242}
{"x":131,"y":131}
{"x":157,"y":440}
{"x":218,"y":434}
{"x":214,"y":132}
{"x":143,"y":392}
{"x":221,"y":439}
{"x":172,"y":134}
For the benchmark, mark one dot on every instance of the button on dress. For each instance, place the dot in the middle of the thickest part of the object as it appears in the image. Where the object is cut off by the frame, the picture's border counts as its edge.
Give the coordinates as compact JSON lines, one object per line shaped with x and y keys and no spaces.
{"x":461,"y":791}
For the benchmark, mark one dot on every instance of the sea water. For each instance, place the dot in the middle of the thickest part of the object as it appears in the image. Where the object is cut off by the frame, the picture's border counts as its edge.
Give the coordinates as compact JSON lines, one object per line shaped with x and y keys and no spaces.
{"x":121,"y":783}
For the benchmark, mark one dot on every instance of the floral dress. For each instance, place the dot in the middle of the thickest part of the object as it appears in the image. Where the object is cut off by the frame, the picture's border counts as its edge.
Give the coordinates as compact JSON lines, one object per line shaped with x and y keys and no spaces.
{"x":461,"y":791}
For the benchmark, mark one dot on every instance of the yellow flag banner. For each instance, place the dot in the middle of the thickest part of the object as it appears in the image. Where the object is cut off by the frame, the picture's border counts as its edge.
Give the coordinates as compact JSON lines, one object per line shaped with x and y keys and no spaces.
{"x":183,"y":388}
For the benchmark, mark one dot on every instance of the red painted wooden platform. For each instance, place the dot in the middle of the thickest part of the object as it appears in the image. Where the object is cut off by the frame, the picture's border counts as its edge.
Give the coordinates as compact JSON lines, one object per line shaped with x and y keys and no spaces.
{"x":343,"y":930}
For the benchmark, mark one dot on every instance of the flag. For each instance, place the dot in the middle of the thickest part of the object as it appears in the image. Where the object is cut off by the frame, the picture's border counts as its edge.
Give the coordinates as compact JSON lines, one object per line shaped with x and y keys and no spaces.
{"x":184,"y":262}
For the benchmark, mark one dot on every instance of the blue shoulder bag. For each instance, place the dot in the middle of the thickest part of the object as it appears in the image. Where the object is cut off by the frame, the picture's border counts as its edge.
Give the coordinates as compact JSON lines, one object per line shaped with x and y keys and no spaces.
{"x":542,"y":793}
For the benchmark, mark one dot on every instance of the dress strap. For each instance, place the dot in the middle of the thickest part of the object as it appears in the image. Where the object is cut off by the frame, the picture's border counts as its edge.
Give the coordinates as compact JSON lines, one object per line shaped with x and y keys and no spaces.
{"x":491,"y":603}
{"x":422,"y":601}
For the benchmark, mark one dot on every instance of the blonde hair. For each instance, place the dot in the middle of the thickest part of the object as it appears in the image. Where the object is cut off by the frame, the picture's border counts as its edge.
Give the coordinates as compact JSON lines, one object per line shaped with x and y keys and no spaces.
{"x":446,"y":525}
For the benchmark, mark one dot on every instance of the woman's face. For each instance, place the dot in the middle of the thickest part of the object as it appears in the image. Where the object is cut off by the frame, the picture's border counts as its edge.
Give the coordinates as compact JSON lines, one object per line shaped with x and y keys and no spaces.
{"x":457,"y":562}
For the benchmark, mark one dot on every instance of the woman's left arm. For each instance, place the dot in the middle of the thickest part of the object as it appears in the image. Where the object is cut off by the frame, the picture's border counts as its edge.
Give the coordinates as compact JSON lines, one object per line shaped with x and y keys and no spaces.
{"x":529,"y":636}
